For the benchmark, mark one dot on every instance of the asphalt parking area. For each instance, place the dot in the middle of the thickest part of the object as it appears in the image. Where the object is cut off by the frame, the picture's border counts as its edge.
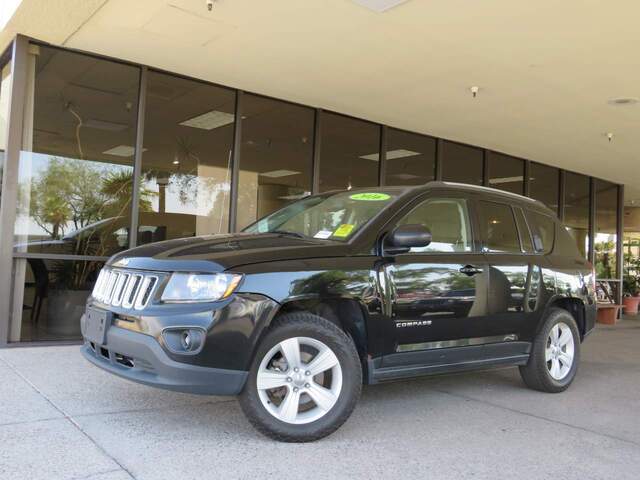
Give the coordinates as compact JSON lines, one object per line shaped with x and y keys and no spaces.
{"x":62,"y":418}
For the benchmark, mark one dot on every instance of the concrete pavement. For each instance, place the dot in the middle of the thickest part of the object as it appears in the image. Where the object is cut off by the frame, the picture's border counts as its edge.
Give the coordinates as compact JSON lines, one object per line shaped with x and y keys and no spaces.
{"x":61,"y":418}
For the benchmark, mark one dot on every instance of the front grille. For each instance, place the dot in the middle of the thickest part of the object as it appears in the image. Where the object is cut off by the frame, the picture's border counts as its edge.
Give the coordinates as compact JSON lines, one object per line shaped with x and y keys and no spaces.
{"x":124,"y":288}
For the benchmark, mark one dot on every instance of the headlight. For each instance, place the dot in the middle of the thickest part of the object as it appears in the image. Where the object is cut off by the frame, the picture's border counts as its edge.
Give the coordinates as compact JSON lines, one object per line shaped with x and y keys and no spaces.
{"x":192,"y":287}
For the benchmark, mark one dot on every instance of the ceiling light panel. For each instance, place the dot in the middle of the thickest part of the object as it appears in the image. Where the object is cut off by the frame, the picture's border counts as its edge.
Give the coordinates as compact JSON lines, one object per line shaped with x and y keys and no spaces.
{"x":210,"y":120}
{"x":279,"y":173}
{"x":392,"y":154}
{"x":379,"y":6}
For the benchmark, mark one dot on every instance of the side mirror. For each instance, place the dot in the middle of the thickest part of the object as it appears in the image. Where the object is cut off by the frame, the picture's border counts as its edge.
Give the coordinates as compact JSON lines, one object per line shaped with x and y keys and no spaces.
{"x":405,"y":237}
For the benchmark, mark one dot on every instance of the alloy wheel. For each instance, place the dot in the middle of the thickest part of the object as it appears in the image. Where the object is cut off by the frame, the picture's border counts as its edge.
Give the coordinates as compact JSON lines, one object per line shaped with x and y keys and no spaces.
{"x":299,"y":380}
{"x":559,"y":351}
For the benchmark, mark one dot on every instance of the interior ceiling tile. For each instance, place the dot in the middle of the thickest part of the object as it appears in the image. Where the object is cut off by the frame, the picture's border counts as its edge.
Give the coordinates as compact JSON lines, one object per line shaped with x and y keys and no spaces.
{"x":185,"y":27}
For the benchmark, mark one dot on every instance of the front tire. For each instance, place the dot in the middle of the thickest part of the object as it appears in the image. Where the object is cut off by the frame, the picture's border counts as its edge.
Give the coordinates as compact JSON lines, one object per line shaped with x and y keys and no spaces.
{"x":555,"y":354}
{"x":304,"y":381}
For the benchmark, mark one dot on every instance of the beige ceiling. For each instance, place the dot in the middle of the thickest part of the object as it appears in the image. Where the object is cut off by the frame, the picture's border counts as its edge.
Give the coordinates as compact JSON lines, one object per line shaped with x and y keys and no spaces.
{"x":546,"y":69}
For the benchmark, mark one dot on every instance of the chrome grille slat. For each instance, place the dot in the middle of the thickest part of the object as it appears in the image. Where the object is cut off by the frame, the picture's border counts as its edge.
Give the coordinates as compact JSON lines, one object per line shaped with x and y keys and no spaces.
{"x":126,"y":288}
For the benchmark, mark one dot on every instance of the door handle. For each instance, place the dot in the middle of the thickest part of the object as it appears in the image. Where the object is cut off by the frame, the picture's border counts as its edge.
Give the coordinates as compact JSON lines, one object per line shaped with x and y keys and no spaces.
{"x":470,"y":270}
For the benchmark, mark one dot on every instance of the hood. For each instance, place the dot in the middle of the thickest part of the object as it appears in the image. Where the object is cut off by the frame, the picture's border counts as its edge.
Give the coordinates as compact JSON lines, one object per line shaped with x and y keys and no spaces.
{"x":216,"y":253}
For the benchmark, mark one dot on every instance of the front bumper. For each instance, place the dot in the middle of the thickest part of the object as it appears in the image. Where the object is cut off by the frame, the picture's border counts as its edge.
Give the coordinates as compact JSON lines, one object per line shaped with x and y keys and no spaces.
{"x":140,"y":358}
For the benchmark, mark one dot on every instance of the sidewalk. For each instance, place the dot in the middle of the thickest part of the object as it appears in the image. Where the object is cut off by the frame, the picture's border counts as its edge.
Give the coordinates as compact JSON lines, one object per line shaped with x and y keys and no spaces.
{"x":61,"y":418}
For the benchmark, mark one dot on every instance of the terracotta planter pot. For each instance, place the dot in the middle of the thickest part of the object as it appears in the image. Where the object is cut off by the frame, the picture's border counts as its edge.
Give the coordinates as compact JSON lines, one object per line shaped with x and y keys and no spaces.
{"x":608,"y":314}
{"x":631,"y":305}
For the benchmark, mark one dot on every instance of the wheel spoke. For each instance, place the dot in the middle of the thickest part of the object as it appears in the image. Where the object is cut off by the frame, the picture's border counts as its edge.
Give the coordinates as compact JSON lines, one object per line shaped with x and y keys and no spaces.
{"x":291,"y":351}
{"x":268,"y":379}
{"x":565,"y":337}
{"x":566,"y":359}
{"x":548,"y":354}
{"x":323,"y":397}
{"x":555,"y":368}
{"x":554,"y":334}
{"x":288,"y":410}
{"x":323,"y":361}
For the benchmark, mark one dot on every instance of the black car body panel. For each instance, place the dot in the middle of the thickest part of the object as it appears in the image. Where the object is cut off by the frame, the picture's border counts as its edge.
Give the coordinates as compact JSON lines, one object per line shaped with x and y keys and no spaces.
{"x":409,"y":314}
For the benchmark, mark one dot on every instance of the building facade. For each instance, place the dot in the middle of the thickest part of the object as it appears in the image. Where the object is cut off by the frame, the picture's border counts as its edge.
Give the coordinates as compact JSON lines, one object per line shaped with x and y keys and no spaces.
{"x":100,"y":155}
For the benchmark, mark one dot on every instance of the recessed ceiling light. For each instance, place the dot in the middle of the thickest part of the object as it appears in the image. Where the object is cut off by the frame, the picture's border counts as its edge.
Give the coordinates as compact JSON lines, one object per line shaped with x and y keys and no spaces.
{"x":176,"y":162}
{"x":279,"y":173}
{"x":622,"y":101}
{"x":391,"y":154}
{"x":379,"y":5}
{"x":122,"y":151}
{"x":210,"y":120}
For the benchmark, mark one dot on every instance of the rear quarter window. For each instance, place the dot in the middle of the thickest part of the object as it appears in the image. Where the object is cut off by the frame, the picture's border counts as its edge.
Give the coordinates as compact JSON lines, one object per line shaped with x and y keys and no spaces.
{"x":543,"y":228}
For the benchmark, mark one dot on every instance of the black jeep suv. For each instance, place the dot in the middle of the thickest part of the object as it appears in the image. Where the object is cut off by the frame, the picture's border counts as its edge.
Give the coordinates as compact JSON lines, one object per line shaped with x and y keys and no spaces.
{"x":335,"y":290}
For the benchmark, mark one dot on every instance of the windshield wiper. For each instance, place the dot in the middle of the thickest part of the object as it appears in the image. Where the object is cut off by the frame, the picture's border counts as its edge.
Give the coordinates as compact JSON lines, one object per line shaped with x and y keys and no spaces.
{"x":289,"y":232}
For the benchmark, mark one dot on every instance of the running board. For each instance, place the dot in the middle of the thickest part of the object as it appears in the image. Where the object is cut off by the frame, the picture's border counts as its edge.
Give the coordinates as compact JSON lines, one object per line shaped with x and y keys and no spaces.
{"x":447,"y":360}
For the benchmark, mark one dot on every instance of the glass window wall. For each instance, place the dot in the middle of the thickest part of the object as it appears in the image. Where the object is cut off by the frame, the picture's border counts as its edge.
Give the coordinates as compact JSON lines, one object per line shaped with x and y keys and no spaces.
{"x":76,"y":167}
{"x":506,"y":173}
{"x":411,"y":158}
{"x":461,"y":163}
{"x":605,"y":229}
{"x":349,"y":152}
{"x":186,"y":160}
{"x":276,"y":155}
{"x":576,"y":209}
{"x":544,"y":184}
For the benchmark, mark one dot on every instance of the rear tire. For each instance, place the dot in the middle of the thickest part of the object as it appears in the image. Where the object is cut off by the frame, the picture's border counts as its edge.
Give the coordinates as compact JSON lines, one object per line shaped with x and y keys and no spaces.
{"x":304,"y":380}
{"x":555,"y":354}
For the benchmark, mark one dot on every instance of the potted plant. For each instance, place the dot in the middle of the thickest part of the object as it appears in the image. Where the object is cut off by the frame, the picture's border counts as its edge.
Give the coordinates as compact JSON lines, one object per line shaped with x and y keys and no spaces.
{"x":631,"y":299}
{"x":631,"y":284}
{"x":71,"y":285}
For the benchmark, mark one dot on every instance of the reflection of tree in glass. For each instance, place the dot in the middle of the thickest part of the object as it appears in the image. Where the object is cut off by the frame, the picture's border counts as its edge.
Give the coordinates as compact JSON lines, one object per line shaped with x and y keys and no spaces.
{"x":69,"y":195}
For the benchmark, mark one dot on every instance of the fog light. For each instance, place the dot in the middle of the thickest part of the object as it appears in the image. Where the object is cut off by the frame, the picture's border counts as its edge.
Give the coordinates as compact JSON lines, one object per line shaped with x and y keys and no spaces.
{"x":184,"y":340}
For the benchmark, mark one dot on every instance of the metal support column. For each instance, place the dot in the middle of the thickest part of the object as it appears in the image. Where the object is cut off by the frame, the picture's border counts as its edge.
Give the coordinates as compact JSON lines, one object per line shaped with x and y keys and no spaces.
{"x":317,"y":129}
{"x":15,"y":118}
{"x":137,"y":161}
{"x":235,"y":163}
{"x":382,"y":155}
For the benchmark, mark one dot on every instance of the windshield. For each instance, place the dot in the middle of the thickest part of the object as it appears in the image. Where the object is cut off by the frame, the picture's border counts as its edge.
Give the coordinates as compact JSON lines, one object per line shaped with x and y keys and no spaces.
{"x":337,"y":216}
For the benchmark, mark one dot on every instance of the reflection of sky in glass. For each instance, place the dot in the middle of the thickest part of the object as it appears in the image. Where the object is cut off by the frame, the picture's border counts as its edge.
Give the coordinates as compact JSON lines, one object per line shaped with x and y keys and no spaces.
{"x":33,"y":166}
{"x":189,"y":194}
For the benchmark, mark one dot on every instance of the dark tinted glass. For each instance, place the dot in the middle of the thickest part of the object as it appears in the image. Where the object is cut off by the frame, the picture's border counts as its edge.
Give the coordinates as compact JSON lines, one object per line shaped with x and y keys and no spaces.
{"x":506,"y":173}
{"x":349,"y":152}
{"x":523,"y":228}
{"x":55,"y":293}
{"x":542,"y":231}
{"x":544,"y":184}
{"x":576,"y":209}
{"x":461,"y":163}
{"x":411,"y":158}
{"x":186,"y":164}
{"x":275,"y":156}
{"x":606,"y":228}
{"x":76,"y":170}
{"x":498,"y":228}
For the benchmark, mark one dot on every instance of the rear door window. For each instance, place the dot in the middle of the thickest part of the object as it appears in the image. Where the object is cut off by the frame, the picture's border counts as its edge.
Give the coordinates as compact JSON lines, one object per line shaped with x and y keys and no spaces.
{"x":498,"y":228}
{"x":542,"y":231}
